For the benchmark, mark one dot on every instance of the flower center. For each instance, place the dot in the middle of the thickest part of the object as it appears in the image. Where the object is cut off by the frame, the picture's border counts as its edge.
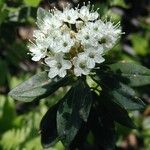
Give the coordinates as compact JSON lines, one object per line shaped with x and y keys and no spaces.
{"x":59,"y":65}
{"x":87,"y":37}
{"x":96,"y":29}
{"x":91,"y":55}
{"x":102,"y":40}
{"x":65,"y":44}
{"x":68,"y":17}
{"x":82,"y":65}
{"x":52,"y":25}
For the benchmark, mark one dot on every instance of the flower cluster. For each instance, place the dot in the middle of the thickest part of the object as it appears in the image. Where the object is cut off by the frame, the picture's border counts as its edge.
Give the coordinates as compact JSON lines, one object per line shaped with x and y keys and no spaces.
{"x":73,"y":40}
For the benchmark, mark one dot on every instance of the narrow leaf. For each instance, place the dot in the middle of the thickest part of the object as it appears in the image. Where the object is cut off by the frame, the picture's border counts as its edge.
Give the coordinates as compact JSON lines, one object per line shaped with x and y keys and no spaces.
{"x":116,"y":112}
{"x":102,"y":125}
{"x":48,"y":128}
{"x":74,"y":109}
{"x":119,"y":92}
{"x":121,"y":116}
{"x":135,"y":75}
{"x":36,"y":87}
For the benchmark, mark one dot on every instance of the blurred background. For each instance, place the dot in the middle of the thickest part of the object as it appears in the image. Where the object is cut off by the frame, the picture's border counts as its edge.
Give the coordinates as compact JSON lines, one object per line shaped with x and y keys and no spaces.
{"x":19,"y":122}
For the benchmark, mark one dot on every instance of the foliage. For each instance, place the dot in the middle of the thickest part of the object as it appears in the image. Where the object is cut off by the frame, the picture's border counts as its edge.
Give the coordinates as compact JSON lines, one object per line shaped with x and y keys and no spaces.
{"x":117,"y":84}
{"x":106,"y":106}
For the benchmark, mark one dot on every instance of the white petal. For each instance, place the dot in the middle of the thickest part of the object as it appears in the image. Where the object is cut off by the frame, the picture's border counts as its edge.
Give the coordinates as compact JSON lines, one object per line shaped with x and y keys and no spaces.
{"x":82,"y":56}
{"x":70,"y":16}
{"x":77,"y":72}
{"x":99,"y":59}
{"x":66,"y":64}
{"x":75,"y":61}
{"x":62,"y":73}
{"x":90,"y":63}
{"x":36,"y":58}
{"x":59,"y":57}
{"x":79,"y":24}
{"x":53,"y":72}
{"x":94,"y":16}
{"x":33,"y":48}
{"x":84,"y":13}
{"x":38,"y":34}
{"x":50,"y":62}
{"x":86,"y":71}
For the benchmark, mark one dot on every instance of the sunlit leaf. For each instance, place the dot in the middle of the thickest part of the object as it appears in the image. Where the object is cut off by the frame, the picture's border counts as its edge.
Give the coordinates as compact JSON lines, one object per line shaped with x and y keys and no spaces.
{"x":32,"y":3}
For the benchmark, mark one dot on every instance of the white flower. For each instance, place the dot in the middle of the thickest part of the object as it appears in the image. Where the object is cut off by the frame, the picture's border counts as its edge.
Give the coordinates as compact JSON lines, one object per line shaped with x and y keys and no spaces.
{"x":86,"y":15}
{"x":79,"y":24}
{"x":38,"y":52}
{"x":70,"y":15}
{"x":108,"y":35}
{"x":63,"y":43}
{"x":93,"y":56}
{"x":96,"y":26}
{"x":50,"y":23}
{"x":58,"y":65}
{"x":55,"y":23}
{"x":86,"y":36}
{"x":38,"y":34}
{"x":113,"y":29}
{"x":57,"y":13}
{"x":41,"y":40}
{"x":80,"y":65}
{"x":54,"y":34}
{"x":77,"y":34}
{"x":99,"y":34}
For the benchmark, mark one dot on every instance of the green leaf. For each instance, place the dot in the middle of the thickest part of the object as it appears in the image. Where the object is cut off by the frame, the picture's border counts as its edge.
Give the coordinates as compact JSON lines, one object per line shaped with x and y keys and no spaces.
{"x":103,"y":115}
{"x":119,"y":92}
{"x":104,"y":132}
{"x":121,"y":116}
{"x":102,"y":125}
{"x":127,"y":97}
{"x":140,"y":45}
{"x":48,"y":128}
{"x":32,"y":3}
{"x":37,"y":87}
{"x":115,"y":111}
{"x":3,"y":15}
{"x":74,"y":108}
{"x":133,"y":74}
{"x":2,"y":2}
{"x":3,"y":77}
